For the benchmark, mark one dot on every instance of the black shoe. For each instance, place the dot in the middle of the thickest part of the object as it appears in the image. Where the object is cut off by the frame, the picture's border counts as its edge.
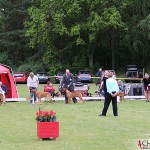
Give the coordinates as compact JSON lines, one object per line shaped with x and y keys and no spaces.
{"x":101,"y":115}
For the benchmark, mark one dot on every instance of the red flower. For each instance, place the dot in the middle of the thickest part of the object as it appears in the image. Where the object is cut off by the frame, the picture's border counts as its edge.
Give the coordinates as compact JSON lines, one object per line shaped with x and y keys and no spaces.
{"x":39,"y":113}
{"x":46,"y":113}
{"x":51,"y":113}
{"x":46,"y":116}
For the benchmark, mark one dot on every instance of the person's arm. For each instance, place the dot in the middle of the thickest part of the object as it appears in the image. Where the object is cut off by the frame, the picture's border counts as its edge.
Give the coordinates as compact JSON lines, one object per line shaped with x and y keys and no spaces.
{"x":108,"y":86}
{"x":97,"y":74}
{"x":71,"y":80}
{"x":62,"y":81}
{"x":28,"y":83}
{"x":52,"y":88}
{"x":37,"y":80}
{"x":101,"y":86}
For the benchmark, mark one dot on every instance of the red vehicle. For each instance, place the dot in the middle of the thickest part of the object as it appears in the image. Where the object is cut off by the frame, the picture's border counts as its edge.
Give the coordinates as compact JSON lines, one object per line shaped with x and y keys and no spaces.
{"x":20,"y":77}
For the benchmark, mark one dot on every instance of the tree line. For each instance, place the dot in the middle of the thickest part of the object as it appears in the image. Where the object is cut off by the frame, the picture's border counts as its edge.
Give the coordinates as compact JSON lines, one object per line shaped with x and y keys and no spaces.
{"x":51,"y":35}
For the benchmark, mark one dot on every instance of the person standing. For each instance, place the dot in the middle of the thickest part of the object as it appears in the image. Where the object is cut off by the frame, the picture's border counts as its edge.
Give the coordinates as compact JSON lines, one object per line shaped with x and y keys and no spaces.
{"x":112,"y":90}
{"x":103,"y":83}
{"x":32,"y":84}
{"x":146,"y":83}
{"x":67,"y":81}
{"x":2,"y":91}
{"x":99,"y":74}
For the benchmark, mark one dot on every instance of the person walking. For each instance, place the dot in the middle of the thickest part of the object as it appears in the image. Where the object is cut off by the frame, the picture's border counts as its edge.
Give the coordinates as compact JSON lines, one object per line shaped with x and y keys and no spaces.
{"x":112,"y":90}
{"x":32,"y":84}
{"x":146,"y":84}
{"x":67,"y":82}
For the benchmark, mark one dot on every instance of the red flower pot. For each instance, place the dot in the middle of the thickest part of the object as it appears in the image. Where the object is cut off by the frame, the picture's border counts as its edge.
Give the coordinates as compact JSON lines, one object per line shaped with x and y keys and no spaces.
{"x":48,"y":130}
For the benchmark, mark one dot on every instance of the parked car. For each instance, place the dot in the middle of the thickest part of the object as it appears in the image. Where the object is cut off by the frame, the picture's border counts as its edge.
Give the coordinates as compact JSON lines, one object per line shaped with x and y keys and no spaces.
{"x":43,"y":77}
{"x":20,"y":77}
{"x":59,"y":76}
{"x":132,"y":71}
{"x":84,"y":76}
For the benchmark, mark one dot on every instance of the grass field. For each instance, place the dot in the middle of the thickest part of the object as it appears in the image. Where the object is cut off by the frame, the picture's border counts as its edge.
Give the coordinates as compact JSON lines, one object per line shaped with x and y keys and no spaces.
{"x":23,"y":91}
{"x":80,"y":126}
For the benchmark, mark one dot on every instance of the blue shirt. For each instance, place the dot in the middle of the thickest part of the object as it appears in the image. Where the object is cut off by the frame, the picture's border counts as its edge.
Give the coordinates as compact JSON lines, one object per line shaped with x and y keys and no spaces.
{"x":112,"y":85}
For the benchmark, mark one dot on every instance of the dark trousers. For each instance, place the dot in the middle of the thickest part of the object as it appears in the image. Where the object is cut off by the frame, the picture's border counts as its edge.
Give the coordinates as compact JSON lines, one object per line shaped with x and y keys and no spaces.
{"x":66,"y":99}
{"x":71,"y":89}
{"x":108,"y":99}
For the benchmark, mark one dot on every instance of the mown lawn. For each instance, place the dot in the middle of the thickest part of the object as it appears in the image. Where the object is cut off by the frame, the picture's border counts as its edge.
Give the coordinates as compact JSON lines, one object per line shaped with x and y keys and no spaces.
{"x":23,"y":91}
{"x":80,"y":126}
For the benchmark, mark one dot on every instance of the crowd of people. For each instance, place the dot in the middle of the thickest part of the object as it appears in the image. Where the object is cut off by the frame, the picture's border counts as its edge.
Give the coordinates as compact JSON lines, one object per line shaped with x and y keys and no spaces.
{"x":109,"y":87}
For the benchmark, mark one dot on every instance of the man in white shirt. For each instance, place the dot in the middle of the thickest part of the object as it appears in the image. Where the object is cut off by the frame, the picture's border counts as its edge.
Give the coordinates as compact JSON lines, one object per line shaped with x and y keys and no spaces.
{"x":32,"y":83}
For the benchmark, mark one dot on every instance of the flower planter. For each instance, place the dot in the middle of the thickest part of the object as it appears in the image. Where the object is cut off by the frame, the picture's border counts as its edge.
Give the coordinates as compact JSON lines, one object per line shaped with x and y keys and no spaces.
{"x":48,"y":130}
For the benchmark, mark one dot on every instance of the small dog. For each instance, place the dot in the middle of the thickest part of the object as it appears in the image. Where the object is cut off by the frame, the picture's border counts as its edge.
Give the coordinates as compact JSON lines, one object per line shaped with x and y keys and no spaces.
{"x":72,"y":95}
{"x":121,"y":94}
{"x":2,"y":99}
{"x":41,"y":95}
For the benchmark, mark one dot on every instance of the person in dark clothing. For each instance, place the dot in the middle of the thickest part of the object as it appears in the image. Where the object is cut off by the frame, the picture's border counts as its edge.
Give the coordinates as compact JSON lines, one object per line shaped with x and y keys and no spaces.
{"x":67,"y":82}
{"x":99,"y":74}
{"x":103,"y":83}
{"x":111,"y":95}
{"x":146,"y":83}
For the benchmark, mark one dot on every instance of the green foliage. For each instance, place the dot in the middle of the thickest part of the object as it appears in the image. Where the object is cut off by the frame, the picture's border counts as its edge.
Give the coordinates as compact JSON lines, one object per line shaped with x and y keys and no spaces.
{"x":53,"y":33}
{"x":4,"y":58}
{"x":33,"y":66}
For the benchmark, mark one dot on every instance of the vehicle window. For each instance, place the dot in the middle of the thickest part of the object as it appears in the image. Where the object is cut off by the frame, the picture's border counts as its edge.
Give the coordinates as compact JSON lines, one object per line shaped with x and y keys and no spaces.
{"x":135,"y":74}
{"x":129,"y":74}
{"x":42,"y":74}
{"x":18,"y":75}
{"x":84,"y":72}
{"x":60,"y":74}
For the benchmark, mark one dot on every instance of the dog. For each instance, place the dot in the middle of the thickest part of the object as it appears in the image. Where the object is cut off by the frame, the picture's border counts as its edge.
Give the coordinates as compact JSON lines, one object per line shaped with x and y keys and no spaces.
{"x":72,"y":95}
{"x":41,"y":95}
{"x":2,"y":99}
{"x":121,"y":95}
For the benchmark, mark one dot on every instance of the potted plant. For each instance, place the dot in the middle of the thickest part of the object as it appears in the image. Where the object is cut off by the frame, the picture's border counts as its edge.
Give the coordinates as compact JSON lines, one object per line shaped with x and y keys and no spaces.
{"x":47,"y":126}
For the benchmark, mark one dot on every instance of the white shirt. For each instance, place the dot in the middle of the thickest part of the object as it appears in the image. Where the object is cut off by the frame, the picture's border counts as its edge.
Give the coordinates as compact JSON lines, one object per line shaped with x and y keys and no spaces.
{"x":33,"y":82}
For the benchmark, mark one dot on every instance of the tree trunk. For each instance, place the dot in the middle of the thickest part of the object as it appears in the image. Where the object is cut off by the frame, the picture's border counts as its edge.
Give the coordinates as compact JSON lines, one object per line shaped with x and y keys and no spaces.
{"x":113,"y":48}
{"x":91,"y":58}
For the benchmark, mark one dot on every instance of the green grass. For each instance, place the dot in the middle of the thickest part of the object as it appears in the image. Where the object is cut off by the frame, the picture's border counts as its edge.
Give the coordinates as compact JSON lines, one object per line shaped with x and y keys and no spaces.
{"x":80,"y":126}
{"x":23,"y":90}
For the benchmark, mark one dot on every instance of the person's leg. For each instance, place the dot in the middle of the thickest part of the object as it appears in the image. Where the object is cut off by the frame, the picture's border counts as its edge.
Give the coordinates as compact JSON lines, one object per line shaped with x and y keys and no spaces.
{"x":114,"y":104}
{"x":66,"y":98}
{"x":31,"y":96}
{"x":146,"y":95}
{"x":34,"y":94}
{"x":106,"y":104}
{"x":74,"y":100}
{"x":71,"y":89}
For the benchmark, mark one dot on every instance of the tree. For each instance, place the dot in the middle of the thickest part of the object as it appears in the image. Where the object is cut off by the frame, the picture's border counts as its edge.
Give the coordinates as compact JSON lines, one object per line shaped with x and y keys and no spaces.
{"x":12,"y":39}
{"x":77,"y":25}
